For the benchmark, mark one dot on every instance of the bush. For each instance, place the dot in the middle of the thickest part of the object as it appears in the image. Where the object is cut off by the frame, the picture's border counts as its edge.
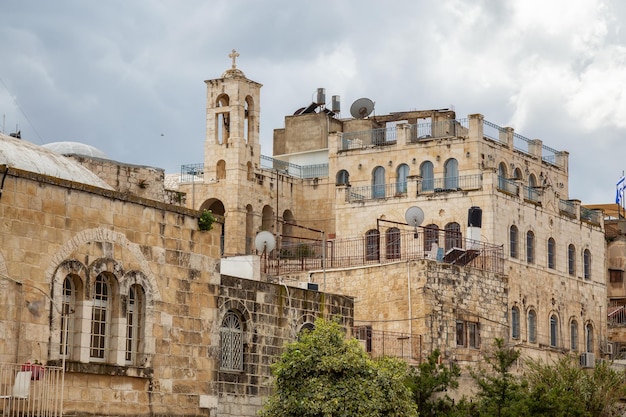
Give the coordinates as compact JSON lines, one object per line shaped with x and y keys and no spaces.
{"x":206,"y":220}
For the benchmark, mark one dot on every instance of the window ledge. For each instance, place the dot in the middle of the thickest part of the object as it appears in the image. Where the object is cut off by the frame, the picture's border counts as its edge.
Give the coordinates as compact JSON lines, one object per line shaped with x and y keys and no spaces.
{"x":105,"y":369}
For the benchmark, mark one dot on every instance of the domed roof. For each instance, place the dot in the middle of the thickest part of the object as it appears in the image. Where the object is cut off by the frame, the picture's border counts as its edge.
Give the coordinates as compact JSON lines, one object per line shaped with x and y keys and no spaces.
{"x":26,"y":156}
{"x":233,"y":73}
{"x":75,"y":148}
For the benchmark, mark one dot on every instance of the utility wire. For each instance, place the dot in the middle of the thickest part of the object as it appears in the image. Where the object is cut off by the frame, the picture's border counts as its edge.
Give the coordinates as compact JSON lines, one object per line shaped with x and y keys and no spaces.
{"x":21,"y":110}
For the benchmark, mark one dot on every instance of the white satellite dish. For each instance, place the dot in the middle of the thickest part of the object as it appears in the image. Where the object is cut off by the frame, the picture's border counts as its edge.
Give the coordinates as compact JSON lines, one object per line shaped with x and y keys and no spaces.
{"x":414,"y":216}
{"x":265,"y":242}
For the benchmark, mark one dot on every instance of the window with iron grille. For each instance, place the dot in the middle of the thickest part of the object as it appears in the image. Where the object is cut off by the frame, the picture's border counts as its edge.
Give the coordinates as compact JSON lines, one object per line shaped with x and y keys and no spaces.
{"x":551,"y":253}
{"x":231,"y":335}
{"x":100,"y":318}
{"x":134,"y":322}
{"x":364,"y":335}
{"x":372,"y":245}
{"x":392,"y":236}
{"x":587,"y":264}
{"x":571,"y":260}
{"x":573,"y":335}
{"x":530,"y":247}
{"x":467,"y":334}
{"x":513,"y":242}
{"x":515,"y":323}
{"x":589,"y":337}
{"x":67,"y":325}
{"x":554,"y":331}
{"x":532,"y":326}
{"x":454,"y":238}
{"x":431,"y":236}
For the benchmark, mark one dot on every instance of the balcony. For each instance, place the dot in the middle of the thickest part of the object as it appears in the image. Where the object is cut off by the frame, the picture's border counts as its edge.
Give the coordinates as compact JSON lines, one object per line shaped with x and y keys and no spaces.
{"x":447,"y":184}
{"x":30,"y":390}
{"x":532,"y":194}
{"x":507,"y":186}
{"x":296,"y":255}
{"x":368,"y":138}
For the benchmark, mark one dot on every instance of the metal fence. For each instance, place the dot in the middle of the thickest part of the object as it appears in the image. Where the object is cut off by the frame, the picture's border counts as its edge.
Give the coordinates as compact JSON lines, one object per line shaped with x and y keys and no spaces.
{"x":298,"y":171}
{"x":380,"y":343}
{"x":458,"y":183}
{"x":383,"y":247}
{"x":30,"y":390}
{"x":367,"y":138}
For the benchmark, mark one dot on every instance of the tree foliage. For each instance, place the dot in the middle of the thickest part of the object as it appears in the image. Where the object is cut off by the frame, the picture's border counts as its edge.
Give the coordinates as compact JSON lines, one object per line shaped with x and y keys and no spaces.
{"x":323,"y":375}
{"x":500,"y":392}
{"x":431,"y":378}
{"x":564,"y":389}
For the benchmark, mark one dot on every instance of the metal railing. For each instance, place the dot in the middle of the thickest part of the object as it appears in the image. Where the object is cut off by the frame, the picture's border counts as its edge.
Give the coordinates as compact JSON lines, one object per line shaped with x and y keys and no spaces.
{"x":461,"y":183}
{"x":567,"y":207}
{"x":381,"y":343}
{"x":494,"y":132}
{"x":532,"y":194}
{"x":591,"y":216}
{"x":298,"y":171}
{"x":307,"y":255}
{"x":30,"y":390}
{"x":368,"y":138}
{"x":616,"y":314}
{"x":508,"y":186}
{"x":191,"y":172}
{"x":446,"y":128}
{"x":375,"y":192}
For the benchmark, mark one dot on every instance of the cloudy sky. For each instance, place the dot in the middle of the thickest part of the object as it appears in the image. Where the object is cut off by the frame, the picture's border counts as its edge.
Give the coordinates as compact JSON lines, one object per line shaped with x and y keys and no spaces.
{"x":127,"y":76}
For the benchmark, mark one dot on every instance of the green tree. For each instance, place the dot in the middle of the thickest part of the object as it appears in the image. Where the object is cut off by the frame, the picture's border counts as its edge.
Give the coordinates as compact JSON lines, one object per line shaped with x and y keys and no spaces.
{"x":324,"y":375}
{"x":429,"y":378}
{"x":563,"y":389}
{"x":500,"y":392}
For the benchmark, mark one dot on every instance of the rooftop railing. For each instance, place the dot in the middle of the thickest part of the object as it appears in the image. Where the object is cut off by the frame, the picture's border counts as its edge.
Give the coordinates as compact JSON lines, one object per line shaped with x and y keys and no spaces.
{"x":298,"y":171}
{"x":567,"y":207}
{"x":591,"y":216}
{"x":378,"y":248}
{"x":368,"y":138}
{"x":440,"y":129}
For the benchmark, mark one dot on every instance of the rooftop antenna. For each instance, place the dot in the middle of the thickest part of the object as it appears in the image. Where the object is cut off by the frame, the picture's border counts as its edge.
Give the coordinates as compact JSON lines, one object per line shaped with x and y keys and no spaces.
{"x":361,"y":108}
{"x":414,"y":216}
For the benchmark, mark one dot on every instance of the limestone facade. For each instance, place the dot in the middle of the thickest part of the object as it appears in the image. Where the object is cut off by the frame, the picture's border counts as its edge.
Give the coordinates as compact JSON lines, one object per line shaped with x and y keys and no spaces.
{"x":335,"y":178}
{"x":153,"y":328}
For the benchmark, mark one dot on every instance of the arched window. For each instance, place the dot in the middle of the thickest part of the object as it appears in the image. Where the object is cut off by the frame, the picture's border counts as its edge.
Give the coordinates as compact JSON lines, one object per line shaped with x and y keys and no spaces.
{"x":554,"y":331}
{"x":67,"y":325}
{"x":551,"y":253}
{"x":517,"y":174}
{"x":378,"y":182}
{"x":431,"y":237}
{"x":515,"y":323}
{"x":267,"y":219}
{"x":372,"y":245}
{"x":305,"y":328}
{"x":231,"y":340}
{"x":587,"y":264}
{"x":100,"y":318}
{"x":401,"y":174}
{"x":513,"y":244}
{"x":530,"y":247}
{"x":222,"y":120}
{"x":573,"y":335}
{"x":589,"y":338}
{"x":532,"y":181}
{"x":532,"y":326}
{"x":249,"y":230}
{"x":343,"y":178}
{"x":454,"y":238}
{"x":428,"y":176}
{"x":451,"y":174}
{"x":502,"y":176}
{"x":135,"y":316}
{"x":392,"y":236}
{"x":571,"y":260}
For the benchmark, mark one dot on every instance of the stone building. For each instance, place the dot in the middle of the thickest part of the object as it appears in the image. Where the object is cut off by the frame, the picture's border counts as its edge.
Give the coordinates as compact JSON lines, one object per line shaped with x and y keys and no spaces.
{"x":503,"y":249}
{"x":100,"y":275}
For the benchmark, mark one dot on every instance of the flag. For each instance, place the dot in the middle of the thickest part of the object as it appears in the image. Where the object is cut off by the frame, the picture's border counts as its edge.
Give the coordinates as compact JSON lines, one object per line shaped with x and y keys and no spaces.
{"x":619,"y":193}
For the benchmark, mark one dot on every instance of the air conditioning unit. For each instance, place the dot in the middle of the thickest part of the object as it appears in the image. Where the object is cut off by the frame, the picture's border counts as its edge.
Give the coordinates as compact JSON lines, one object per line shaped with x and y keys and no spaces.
{"x":309,"y":286}
{"x":609,"y":348}
{"x":588,"y":360}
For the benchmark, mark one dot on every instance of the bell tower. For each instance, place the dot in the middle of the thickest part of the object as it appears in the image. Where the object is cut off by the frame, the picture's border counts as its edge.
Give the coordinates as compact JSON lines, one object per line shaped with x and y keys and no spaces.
{"x":232,"y":124}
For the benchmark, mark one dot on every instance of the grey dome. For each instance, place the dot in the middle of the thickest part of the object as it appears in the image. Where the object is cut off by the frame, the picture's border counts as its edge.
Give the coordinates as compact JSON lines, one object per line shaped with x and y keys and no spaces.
{"x":26,"y":156}
{"x":75,"y":148}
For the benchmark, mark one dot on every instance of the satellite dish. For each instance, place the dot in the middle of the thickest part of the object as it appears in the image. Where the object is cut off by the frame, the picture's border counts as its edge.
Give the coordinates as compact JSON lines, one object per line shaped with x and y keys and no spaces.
{"x":361,"y":108}
{"x":265,"y":241}
{"x":414,"y":216}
